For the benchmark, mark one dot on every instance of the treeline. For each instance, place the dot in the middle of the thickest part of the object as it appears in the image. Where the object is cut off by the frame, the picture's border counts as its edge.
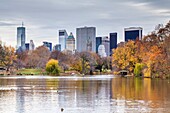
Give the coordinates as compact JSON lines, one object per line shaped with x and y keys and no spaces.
{"x":83,"y":62}
{"x":149,"y":57}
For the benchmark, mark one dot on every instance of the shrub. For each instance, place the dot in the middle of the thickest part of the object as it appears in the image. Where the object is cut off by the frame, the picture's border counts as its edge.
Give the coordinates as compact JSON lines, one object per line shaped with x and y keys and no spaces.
{"x":52,"y":67}
{"x":138,"y":69}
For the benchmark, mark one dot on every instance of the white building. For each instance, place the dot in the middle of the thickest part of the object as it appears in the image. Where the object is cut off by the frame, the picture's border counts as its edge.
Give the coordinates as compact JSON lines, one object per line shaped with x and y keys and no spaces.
{"x":62,"y":39}
{"x":101,"y":51}
{"x":31,"y":45}
{"x":106,"y":43}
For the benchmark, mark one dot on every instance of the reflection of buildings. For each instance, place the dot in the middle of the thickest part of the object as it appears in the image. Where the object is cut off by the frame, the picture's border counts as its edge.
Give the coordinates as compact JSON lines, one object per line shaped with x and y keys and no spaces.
{"x":86,"y":39}
{"x":70,"y":43}
{"x":132,"y":33}
{"x":62,"y":39}
{"x":48,"y":45}
{"x":82,"y":95}
{"x":21,"y":38}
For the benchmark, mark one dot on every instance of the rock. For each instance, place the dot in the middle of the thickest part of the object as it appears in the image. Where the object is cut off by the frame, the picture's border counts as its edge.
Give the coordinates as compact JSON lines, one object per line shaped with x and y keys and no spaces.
{"x":62,"y":109}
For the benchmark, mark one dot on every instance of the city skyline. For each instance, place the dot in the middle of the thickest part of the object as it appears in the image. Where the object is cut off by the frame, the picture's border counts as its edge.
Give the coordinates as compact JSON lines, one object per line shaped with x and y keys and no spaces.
{"x":43,"y":19}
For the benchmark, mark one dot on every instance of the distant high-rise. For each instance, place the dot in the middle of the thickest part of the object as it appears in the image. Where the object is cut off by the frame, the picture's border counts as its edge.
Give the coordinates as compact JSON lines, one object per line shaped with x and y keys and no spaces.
{"x":21,"y":37}
{"x":57,"y":47}
{"x":101,"y":51}
{"x":27,"y":46}
{"x":113,"y":41}
{"x":86,"y":39}
{"x":62,"y":39}
{"x":31,"y":45}
{"x":48,"y":45}
{"x":106,"y":43}
{"x":70,"y":43}
{"x":132,"y":33}
{"x":98,"y":42}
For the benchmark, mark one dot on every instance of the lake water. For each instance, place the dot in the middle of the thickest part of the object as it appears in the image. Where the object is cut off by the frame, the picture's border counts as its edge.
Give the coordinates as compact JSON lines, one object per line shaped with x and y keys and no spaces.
{"x":98,"y":94}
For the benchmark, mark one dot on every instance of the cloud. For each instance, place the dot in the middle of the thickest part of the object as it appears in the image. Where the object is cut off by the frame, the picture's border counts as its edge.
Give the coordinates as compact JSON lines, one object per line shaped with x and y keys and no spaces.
{"x":7,"y":23}
{"x":43,"y":18}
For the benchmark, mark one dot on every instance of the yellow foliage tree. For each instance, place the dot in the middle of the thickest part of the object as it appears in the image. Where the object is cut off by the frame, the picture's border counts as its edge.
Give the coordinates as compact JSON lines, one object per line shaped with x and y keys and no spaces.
{"x":52,"y":67}
{"x":124,"y":58}
{"x":7,"y":56}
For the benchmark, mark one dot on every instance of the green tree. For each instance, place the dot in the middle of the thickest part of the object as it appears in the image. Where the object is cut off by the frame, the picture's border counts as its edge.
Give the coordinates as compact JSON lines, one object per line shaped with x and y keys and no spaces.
{"x":138,"y":69}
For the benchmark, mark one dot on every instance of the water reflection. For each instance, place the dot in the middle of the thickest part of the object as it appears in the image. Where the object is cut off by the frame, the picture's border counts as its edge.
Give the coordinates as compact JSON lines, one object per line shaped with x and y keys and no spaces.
{"x":82,"y":95}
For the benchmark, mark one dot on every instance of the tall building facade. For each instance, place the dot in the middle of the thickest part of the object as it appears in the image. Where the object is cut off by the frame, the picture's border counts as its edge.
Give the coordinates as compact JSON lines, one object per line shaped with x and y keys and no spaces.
{"x":21,"y":37}
{"x":62,"y":39}
{"x":86,"y":39}
{"x":31,"y":45}
{"x":101,"y":51}
{"x":98,"y":42}
{"x":27,"y":46}
{"x":113,"y":41}
{"x":48,"y":45}
{"x":57,"y":47}
{"x":106,"y":43}
{"x":132,"y":33}
{"x":70,"y":43}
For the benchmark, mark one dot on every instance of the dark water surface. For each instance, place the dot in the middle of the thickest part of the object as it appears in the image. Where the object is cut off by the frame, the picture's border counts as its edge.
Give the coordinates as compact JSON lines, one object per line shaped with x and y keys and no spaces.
{"x":99,"y":94}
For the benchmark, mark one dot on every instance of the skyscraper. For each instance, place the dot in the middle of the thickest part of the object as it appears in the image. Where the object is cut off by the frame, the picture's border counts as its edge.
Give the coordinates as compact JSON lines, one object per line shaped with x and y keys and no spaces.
{"x":48,"y":45}
{"x":27,"y":46}
{"x":113,"y":41}
{"x":86,"y":39}
{"x":101,"y":51}
{"x":70,"y":43}
{"x":62,"y":39}
{"x":98,"y":42}
{"x":106,"y":43}
{"x":132,"y":33}
{"x":31,"y":45}
{"x":57,"y":47}
{"x":21,"y":37}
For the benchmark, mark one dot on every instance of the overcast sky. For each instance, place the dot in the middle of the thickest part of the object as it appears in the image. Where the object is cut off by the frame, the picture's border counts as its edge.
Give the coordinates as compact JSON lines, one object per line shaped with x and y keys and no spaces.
{"x":43,"y":18}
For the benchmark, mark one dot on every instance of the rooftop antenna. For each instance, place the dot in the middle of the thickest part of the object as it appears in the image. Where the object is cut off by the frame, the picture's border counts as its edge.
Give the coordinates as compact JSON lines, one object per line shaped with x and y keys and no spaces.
{"x":22,"y":24}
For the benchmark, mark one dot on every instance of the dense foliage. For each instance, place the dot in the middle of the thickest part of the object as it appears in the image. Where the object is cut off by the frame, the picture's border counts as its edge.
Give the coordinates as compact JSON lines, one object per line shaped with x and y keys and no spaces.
{"x":7,"y":56}
{"x":52,"y":67}
{"x":149,"y":57}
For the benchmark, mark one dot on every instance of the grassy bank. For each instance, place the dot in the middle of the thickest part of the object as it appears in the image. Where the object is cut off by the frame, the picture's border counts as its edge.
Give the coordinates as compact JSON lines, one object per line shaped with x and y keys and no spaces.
{"x":31,"y":72}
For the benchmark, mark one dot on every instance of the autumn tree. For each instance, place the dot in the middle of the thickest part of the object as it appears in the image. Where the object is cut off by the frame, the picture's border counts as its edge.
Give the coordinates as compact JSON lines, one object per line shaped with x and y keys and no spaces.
{"x":124,"y":58}
{"x":7,"y":56}
{"x":38,"y":58}
{"x":21,"y":59}
{"x":52,"y":67}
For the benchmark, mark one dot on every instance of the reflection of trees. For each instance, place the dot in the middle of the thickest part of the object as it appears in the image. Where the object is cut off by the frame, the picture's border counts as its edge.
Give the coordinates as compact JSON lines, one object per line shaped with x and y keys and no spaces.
{"x":140,"y":89}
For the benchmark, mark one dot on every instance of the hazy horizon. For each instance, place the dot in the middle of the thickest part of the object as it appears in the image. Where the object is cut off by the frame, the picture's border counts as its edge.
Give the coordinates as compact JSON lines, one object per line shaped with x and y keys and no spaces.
{"x":43,"y":18}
